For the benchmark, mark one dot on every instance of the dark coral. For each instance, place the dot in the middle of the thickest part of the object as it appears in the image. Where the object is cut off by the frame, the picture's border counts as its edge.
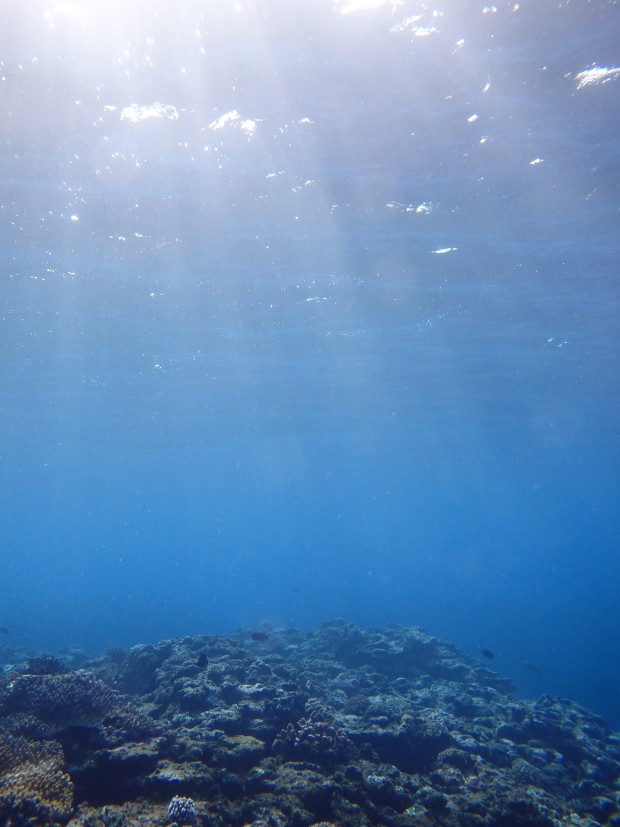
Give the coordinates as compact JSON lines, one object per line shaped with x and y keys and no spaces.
{"x":45,"y":665}
{"x":60,"y":699}
{"x":16,"y":810}
{"x":181,"y":811}
{"x":33,"y":783}
{"x":74,"y":715}
{"x":342,"y":725}
{"x":53,"y":703}
{"x":312,"y":740}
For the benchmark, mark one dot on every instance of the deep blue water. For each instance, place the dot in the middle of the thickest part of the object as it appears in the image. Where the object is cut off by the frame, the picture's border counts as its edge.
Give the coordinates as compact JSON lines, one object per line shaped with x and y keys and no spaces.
{"x":309,"y":311}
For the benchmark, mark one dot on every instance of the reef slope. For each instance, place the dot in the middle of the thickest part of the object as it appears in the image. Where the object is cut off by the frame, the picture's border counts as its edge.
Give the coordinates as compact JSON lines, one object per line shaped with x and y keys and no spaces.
{"x":341,"y":725}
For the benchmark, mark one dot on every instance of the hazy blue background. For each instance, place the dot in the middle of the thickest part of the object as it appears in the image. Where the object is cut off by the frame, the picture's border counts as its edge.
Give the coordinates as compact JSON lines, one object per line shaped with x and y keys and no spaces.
{"x":309,"y":310}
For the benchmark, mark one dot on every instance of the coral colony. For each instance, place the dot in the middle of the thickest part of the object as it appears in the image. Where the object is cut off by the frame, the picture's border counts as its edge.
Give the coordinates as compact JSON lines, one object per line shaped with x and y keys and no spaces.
{"x":340,"y":726}
{"x":181,"y":811}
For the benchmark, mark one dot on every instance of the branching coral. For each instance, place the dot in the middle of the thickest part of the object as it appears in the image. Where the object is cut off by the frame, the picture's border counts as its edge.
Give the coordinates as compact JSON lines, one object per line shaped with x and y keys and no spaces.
{"x":32,"y":779}
{"x":62,"y":699}
{"x":181,"y":811}
{"x":54,"y":702}
{"x":314,"y":740}
{"x":45,"y":665}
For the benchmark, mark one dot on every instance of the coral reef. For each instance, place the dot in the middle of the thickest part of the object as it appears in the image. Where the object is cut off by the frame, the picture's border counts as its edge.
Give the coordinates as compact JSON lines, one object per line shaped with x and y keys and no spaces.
{"x":340,"y":726}
{"x":181,"y":811}
{"x":317,"y":738}
{"x":33,"y":784}
{"x":45,"y":665}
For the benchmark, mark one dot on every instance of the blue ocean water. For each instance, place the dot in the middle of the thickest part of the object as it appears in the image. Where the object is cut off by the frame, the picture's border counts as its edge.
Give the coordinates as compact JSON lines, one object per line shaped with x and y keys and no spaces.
{"x":310,"y":309}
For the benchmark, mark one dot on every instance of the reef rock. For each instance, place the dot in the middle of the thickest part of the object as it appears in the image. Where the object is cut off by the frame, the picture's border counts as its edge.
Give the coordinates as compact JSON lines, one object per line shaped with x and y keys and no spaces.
{"x":340,"y":726}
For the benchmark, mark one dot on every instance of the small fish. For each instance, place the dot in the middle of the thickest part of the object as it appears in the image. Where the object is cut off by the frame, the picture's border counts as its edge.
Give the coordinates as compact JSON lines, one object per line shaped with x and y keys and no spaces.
{"x":487,"y":653}
{"x":261,"y":636}
{"x":531,"y":667}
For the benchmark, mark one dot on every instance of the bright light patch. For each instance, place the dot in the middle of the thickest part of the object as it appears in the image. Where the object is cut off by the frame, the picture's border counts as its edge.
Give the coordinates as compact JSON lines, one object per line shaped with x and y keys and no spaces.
{"x":407,"y":23}
{"x":443,"y":250}
{"x":424,"y":31}
{"x":224,"y":120}
{"x":424,"y":208}
{"x":349,"y":6}
{"x":135,"y":113}
{"x":410,"y":24}
{"x":70,"y":11}
{"x":597,"y":75}
{"x":233,"y":118}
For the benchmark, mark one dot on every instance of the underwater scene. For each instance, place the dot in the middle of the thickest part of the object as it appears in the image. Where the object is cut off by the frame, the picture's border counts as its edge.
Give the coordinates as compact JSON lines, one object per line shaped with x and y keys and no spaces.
{"x":310,"y":413}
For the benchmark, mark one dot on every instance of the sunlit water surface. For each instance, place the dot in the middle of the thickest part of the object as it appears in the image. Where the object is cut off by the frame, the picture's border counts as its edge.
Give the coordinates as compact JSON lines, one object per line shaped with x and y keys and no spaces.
{"x":311,"y":310}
